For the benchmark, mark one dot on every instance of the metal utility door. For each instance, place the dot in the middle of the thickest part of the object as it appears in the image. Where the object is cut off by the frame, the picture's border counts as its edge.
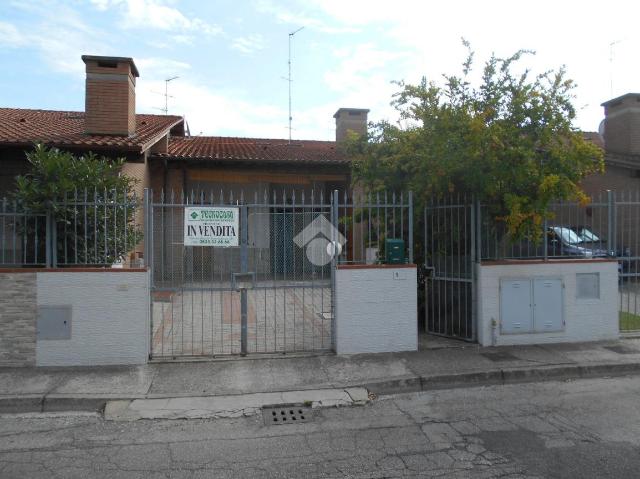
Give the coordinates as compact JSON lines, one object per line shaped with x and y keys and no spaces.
{"x":213,"y":301}
{"x":547,"y":304}
{"x":515,"y":306}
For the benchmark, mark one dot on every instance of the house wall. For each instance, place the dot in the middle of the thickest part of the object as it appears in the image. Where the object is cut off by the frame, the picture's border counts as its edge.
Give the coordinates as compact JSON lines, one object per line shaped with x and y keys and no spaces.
{"x":615,"y":178}
{"x":585,"y":319}
{"x":12,"y":164}
{"x":376,"y":309}
{"x":109,"y":317}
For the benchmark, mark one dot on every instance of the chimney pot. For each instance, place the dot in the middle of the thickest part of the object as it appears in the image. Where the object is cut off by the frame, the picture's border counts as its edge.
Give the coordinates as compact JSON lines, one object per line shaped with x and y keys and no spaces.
{"x":622,"y":124}
{"x":110,"y":96}
{"x":350,"y":119}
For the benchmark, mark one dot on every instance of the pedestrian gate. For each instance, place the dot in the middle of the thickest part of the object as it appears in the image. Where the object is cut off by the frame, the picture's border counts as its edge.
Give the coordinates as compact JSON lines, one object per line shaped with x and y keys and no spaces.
{"x":270,"y":293}
{"x":449,"y":252}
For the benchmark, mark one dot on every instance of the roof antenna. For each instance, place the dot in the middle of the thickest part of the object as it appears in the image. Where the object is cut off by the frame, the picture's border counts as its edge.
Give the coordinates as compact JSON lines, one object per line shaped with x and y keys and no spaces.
{"x":289,"y":79}
{"x":166,"y":95}
{"x":611,"y":45}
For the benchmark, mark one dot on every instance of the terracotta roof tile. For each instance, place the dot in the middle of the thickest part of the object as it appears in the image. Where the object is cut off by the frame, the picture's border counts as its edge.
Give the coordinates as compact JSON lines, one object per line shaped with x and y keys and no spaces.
{"x":20,"y":126}
{"x":219,"y":148}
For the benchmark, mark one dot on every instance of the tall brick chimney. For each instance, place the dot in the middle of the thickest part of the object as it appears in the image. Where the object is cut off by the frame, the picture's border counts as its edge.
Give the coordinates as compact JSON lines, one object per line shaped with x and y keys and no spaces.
{"x":350,"y":119}
{"x":622,"y":124}
{"x":110,"y":98}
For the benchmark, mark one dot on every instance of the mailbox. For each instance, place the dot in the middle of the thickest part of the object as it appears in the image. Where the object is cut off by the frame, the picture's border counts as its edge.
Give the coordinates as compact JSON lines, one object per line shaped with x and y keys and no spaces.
{"x":394,"y":251}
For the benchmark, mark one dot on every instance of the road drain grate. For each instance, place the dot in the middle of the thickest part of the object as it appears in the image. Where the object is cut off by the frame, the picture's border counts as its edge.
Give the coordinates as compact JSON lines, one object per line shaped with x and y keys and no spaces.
{"x":286,"y":414}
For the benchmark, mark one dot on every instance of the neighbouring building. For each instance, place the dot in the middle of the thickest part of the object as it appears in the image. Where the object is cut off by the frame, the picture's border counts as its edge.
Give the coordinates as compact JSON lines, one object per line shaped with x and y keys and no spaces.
{"x":620,"y":139}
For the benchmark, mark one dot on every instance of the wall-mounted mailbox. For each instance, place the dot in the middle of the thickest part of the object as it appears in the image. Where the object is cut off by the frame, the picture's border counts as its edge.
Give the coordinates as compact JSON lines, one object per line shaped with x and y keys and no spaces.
{"x":394,"y":251}
{"x":54,"y":322}
{"x":531,"y":305}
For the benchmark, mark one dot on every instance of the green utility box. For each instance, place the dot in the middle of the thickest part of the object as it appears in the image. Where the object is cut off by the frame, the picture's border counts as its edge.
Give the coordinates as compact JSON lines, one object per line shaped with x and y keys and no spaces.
{"x":394,"y":251}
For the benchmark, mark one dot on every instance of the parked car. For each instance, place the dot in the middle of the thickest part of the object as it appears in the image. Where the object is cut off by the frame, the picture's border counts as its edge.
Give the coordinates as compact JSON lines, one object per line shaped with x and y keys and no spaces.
{"x":589,"y":237}
{"x":565,"y":241}
{"x":625,"y":260}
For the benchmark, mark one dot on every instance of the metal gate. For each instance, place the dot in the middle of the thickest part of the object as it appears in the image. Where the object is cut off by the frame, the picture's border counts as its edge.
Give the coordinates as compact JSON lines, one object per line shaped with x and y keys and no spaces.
{"x":449,"y":251}
{"x":266,"y":295}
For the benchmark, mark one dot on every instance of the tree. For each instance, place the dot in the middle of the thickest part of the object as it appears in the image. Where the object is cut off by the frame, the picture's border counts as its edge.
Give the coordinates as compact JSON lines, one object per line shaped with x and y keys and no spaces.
{"x":509,"y":142}
{"x":89,"y":200}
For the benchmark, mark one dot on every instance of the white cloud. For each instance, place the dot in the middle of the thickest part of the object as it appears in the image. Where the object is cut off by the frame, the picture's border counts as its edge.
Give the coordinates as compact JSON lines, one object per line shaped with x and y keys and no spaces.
{"x":249,"y":44}
{"x":60,"y":41}
{"x":212,"y":112}
{"x":10,"y":36}
{"x":297,"y":18}
{"x":155,"y":14}
{"x":155,"y":67}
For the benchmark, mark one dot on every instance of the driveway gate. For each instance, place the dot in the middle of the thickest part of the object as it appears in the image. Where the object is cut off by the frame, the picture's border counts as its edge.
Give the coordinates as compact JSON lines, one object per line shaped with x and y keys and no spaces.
{"x":268,"y":294}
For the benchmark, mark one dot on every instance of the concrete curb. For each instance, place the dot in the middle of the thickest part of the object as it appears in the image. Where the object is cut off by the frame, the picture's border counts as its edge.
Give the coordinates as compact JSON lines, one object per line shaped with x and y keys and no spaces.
{"x":501,"y":376}
{"x":77,"y":402}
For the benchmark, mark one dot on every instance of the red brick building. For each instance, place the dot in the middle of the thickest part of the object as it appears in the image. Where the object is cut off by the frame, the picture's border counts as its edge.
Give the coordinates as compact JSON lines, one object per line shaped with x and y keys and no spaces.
{"x":621,"y":143}
{"x":158,"y":151}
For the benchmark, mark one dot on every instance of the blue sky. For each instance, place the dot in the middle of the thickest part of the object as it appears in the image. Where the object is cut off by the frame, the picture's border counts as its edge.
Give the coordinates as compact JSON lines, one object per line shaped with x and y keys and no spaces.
{"x":231,"y":56}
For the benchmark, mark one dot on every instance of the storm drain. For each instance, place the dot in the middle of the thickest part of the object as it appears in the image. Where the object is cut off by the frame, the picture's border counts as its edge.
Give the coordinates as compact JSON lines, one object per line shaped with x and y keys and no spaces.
{"x":287,"y":414}
{"x":498,"y":356}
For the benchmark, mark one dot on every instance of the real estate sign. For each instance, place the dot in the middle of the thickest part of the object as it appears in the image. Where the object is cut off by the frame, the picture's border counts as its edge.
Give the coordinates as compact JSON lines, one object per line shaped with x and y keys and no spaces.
{"x":211,"y":226}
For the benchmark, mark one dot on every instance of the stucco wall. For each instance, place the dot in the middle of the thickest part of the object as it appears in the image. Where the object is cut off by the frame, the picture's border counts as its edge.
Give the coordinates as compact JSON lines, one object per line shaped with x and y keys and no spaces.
{"x":110,"y":318}
{"x":17,"y":319}
{"x":376,"y":310}
{"x":585,"y":319}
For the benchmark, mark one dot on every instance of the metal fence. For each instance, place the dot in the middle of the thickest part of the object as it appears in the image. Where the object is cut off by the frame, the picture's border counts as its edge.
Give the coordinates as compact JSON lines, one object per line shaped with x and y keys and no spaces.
{"x":366,"y":220}
{"x":273,"y":293}
{"x":459,"y":232}
{"x":88,"y":228}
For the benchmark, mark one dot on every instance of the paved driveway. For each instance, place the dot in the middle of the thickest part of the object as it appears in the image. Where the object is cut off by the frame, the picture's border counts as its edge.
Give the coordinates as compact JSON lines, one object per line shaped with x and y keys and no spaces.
{"x":202,"y":320}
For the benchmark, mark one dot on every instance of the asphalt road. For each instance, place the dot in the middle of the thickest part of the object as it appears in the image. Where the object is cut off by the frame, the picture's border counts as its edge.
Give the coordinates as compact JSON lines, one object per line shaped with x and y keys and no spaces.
{"x":582,"y":429}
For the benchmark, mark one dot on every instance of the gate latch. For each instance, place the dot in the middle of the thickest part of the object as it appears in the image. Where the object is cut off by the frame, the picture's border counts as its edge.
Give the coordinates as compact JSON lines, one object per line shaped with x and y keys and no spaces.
{"x":243,"y":281}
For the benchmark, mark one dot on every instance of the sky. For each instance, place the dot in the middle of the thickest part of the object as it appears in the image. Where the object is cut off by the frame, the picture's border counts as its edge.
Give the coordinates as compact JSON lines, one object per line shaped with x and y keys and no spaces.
{"x":231,"y":56}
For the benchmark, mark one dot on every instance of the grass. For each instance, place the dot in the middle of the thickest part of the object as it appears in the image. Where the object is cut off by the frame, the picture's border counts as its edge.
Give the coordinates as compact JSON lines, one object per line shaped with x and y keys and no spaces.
{"x":629,"y":321}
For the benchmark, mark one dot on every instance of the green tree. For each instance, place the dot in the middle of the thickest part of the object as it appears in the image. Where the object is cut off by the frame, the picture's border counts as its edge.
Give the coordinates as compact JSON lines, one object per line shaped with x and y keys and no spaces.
{"x":509,"y":142}
{"x":90,"y":201}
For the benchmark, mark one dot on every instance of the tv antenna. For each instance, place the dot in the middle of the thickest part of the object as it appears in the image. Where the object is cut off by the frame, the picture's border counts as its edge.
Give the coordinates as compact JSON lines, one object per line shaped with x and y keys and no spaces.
{"x":166,"y":95}
{"x":290,"y":80}
{"x":611,"y":45}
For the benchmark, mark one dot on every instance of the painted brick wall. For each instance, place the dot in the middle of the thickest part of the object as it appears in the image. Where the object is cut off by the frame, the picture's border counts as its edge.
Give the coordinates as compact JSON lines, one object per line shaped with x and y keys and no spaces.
{"x":110,"y":318}
{"x":586,"y":319}
{"x":17,"y":319}
{"x":376,"y":310}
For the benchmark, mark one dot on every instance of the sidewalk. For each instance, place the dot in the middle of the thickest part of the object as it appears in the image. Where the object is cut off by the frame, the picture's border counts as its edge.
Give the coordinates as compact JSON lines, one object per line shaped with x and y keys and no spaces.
{"x":441,"y":364}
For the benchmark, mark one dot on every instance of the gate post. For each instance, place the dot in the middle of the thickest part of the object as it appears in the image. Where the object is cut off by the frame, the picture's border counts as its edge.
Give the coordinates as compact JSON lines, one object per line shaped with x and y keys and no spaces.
{"x":410,"y":227}
{"x":244,"y":268}
{"x":334,"y":262}
{"x":611,"y":220}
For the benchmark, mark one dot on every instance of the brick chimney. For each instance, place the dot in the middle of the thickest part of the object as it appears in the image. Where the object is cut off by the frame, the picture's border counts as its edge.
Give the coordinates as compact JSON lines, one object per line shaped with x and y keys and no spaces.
{"x":350,"y":119}
{"x":622,"y":124}
{"x":110,"y":98}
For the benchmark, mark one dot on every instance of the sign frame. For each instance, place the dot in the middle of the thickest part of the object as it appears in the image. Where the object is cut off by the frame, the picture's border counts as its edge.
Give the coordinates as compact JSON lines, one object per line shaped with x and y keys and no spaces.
{"x":217,"y":226}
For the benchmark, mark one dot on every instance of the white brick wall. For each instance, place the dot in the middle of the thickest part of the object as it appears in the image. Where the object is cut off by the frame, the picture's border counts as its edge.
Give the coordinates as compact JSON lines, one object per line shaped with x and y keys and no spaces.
{"x":110,"y":318}
{"x":376,"y":310}
{"x":586,"y":319}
